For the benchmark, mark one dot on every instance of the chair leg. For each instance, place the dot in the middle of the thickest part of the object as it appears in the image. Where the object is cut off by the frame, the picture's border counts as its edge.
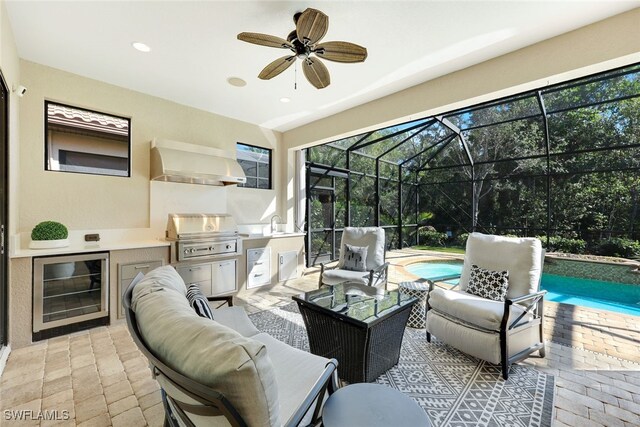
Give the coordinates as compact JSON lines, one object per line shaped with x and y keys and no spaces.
{"x":428,"y":336}
{"x":505,"y":369}
{"x":543,"y":351}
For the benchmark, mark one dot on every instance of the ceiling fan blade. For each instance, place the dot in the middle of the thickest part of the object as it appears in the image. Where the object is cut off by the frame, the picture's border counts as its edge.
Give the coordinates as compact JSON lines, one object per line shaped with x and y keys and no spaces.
{"x":312,"y":25}
{"x":341,"y":52}
{"x":316,"y":73}
{"x":276,"y":67}
{"x":265,"y":40}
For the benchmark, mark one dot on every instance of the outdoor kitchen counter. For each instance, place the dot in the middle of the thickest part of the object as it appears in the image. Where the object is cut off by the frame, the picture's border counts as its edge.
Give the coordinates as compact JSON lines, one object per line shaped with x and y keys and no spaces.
{"x":259,"y":236}
{"x":85,"y":247}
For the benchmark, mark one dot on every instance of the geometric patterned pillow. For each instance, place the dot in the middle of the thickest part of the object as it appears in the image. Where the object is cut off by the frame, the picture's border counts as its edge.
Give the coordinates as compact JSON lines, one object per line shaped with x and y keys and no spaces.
{"x":488,"y":283}
{"x":355,"y":257}
{"x":198,"y":301}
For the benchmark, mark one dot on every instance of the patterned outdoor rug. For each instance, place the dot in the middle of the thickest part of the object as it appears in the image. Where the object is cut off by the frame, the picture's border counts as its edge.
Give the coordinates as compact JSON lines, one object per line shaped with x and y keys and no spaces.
{"x":453,"y":388}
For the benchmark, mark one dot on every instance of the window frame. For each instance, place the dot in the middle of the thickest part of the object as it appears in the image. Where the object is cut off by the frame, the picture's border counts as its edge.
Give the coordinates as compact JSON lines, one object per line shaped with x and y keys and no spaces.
{"x":46,"y":139}
{"x":257,"y":177}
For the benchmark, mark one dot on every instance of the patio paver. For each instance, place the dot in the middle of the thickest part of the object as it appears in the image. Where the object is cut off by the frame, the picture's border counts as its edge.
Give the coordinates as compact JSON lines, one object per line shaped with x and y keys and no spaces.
{"x":592,"y":354}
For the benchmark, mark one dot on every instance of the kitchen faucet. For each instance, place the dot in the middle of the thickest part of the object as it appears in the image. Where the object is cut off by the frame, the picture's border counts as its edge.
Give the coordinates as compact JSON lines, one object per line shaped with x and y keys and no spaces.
{"x":275,"y":220}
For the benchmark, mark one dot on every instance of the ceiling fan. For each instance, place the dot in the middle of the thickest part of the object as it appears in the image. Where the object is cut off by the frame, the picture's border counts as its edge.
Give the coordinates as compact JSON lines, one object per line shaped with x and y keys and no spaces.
{"x":311,"y":26}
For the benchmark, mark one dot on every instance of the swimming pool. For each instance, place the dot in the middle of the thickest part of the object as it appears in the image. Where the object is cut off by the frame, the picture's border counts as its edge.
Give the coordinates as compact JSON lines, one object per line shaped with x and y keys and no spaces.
{"x":598,"y":294}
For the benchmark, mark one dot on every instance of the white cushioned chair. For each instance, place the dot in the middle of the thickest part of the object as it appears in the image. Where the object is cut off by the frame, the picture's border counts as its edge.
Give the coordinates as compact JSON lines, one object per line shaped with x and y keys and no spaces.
{"x":221,"y":372}
{"x":375,"y":271}
{"x":495,"y":331}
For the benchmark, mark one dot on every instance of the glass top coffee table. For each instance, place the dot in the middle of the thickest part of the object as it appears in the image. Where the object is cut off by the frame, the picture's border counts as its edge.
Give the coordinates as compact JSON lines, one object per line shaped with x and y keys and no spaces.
{"x":361,"y":326}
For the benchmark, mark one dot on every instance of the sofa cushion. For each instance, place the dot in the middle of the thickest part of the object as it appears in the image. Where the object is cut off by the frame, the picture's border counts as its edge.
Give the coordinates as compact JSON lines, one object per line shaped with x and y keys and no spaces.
{"x":355,"y":258}
{"x":522,"y":257}
{"x":471,"y":309}
{"x":296,"y":373}
{"x":488,"y":283}
{"x":166,"y":277}
{"x":207,"y":351}
{"x":335,"y":276}
{"x":198,"y":301}
{"x":235,"y":318}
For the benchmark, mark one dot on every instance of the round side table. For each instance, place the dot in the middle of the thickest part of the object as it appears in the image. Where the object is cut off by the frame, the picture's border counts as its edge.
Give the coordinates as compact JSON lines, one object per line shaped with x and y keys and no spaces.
{"x":372,"y":405}
{"x":418,"y":316}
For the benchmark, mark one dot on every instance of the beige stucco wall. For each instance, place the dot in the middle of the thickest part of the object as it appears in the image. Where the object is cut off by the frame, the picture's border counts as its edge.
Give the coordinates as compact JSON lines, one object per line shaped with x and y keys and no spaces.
{"x":101,"y":202}
{"x":606,"y":44}
{"x":10,"y":66}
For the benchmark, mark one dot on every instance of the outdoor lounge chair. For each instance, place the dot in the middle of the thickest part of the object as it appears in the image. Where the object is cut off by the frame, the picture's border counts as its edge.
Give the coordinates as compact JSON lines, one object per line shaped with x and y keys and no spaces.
{"x":218,"y":372}
{"x":371,"y":271}
{"x":500,"y":332}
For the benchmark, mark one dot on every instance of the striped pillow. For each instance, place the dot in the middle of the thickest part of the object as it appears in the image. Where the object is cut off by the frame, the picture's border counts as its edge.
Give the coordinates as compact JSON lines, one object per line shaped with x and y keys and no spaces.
{"x":198,"y":301}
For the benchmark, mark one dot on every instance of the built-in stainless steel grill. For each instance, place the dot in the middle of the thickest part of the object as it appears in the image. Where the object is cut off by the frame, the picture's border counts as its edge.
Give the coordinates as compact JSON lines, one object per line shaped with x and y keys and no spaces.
{"x":197,"y":236}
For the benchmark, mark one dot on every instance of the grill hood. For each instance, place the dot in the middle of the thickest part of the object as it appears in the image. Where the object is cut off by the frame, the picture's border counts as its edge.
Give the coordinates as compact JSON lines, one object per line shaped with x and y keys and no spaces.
{"x":174,"y":161}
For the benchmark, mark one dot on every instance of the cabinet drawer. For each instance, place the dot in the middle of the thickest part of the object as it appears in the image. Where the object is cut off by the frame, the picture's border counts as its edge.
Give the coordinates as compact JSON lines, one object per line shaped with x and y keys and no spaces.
{"x":195,"y":273}
{"x":129,"y":271}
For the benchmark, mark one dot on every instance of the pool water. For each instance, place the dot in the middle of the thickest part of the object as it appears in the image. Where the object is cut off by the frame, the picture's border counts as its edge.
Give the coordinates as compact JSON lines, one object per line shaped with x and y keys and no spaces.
{"x":618,"y":297}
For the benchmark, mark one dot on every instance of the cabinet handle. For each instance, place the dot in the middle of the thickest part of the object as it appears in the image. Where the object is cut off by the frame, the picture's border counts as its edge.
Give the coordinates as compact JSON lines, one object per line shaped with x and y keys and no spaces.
{"x":140,"y":267}
{"x":195,"y":268}
{"x":258,"y":263}
{"x":281,"y":260}
{"x":258,"y":274}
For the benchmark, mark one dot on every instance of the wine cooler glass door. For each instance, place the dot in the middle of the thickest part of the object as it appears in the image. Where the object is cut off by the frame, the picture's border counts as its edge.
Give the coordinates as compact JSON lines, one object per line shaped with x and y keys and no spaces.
{"x":69,"y":289}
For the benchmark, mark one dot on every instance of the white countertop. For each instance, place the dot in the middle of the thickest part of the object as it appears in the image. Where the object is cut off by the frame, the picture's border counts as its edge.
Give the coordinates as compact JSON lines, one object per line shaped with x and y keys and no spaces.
{"x":82,"y":247}
{"x":259,"y":236}
{"x":110,"y":240}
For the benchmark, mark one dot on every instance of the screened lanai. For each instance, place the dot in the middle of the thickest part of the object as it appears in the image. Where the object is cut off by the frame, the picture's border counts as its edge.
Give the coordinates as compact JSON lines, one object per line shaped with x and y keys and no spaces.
{"x":561,"y":162}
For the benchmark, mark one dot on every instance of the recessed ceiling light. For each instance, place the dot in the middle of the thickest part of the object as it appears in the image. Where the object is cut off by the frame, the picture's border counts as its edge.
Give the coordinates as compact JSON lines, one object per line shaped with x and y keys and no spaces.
{"x":236,"y":81}
{"x":285,"y":100}
{"x":141,"y":47}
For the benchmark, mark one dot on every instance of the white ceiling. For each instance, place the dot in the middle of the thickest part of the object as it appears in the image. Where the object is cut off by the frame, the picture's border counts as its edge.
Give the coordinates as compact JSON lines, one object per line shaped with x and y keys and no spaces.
{"x":195,"y":50}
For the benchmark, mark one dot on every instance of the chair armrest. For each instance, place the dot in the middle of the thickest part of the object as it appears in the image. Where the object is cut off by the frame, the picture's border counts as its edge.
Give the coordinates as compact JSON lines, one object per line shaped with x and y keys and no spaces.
{"x":323,"y":268}
{"x":533,"y":297}
{"x":326,"y":381}
{"x":225,"y":299}
{"x":380,"y":268}
{"x":526,"y":297}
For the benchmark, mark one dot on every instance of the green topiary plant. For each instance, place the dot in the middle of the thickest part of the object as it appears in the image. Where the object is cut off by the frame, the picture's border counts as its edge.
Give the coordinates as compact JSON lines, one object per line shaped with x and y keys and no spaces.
{"x":49,"y":230}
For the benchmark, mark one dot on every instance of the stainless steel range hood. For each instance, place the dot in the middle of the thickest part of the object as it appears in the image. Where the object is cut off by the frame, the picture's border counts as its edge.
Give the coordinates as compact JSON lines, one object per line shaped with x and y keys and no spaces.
{"x":174,"y":161}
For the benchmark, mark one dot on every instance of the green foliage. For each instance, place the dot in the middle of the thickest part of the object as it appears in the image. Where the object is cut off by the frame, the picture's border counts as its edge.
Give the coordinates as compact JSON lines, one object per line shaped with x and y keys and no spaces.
{"x":461,"y":240}
{"x":432,"y":238}
{"x":619,"y":247}
{"x":49,"y":230}
{"x":563,"y":244}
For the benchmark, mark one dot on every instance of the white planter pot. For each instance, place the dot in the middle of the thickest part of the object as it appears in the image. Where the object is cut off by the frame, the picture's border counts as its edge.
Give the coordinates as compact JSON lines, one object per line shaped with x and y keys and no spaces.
{"x":48,"y":244}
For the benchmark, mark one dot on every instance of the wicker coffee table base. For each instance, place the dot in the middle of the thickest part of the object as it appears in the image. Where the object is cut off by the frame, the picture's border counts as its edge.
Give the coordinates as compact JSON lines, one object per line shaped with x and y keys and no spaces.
{"x":363,"y":352}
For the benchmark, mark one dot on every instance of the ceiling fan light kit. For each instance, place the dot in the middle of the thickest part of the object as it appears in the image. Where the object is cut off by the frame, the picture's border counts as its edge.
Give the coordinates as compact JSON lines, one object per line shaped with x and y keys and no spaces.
{"x":311,"y":27}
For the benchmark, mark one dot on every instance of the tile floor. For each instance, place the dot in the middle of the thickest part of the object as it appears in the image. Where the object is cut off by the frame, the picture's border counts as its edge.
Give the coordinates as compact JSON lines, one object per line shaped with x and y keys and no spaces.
{"x":99,"y":378}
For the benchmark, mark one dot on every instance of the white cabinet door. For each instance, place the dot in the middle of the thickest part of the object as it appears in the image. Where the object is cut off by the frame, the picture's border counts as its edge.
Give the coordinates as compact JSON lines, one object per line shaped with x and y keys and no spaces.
{"x":287,"y":265}
{"x":201,"y":274}
{"x":224,"y":277}
{"x":258,"y":267}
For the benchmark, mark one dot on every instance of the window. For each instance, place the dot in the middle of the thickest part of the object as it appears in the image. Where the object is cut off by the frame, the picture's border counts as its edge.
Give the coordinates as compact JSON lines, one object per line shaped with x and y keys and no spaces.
{"x":256,"y":163}
{"x":84,"y":141}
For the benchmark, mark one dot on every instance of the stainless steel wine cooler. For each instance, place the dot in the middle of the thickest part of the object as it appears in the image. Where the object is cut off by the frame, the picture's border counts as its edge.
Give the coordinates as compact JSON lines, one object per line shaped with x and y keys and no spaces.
{"x":69,"y":291}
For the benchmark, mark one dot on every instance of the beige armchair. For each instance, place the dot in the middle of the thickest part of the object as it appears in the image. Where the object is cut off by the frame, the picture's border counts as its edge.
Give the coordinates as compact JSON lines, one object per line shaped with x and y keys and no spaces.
{"x":500,"y":332}
{"x":374,"y":272}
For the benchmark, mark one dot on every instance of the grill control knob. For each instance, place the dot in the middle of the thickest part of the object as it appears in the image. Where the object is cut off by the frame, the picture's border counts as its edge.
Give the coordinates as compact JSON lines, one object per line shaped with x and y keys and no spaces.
{"x":211,"y":248}
{"x":228,"y":246}
{"x":186,"y":251}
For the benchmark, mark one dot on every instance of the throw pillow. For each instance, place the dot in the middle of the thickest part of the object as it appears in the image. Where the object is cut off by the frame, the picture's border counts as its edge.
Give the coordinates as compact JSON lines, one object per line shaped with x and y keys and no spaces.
{"x":488,"y":283}
{"x":355,"y":257}
{"x":198,"y":301}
